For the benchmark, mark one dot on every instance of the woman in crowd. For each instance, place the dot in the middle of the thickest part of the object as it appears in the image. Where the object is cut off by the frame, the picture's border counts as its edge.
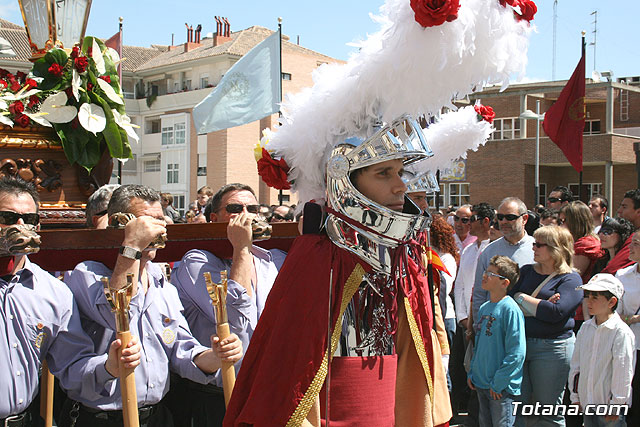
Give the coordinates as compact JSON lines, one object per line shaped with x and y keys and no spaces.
{"x":576,"y":217}
{"x":629,"y":310}
{"x":443,"y":243}
{"x":547,"y":294}
{"x":613,"y":233}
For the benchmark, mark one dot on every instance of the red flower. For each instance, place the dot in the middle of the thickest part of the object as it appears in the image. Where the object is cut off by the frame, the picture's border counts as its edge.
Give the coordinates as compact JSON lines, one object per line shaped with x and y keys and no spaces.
{"x":106,"y":78}
{"x":484,"y":112}
{"x":430,"y":13}
{"x":33,"y":101}
{"x":55,"y":69}
{"x":3,"y":84}
{"x":32,"y":83}
{"x":15,"y":86}
{"x":22,"y":120}
{"x":69,"y":92}
{"x":81,"y":63}
{"x":75,"y":52}
{"x":16,"y":108}
{"x":3,"y":73}
{"x":89,"y":86}
{"x":273,"y":172}
{"x":528,"y":9}
{"x":20,"y":75}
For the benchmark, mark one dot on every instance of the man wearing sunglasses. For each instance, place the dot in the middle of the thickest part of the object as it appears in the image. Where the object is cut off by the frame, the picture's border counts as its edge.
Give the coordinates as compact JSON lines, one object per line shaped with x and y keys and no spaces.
{"x":40,"y":321}
{"x":559,"y":197}
{"x":461,"y":226}
{"x":155,"y":316}
{"x":515,"y":244}
{"x":251,"y":272}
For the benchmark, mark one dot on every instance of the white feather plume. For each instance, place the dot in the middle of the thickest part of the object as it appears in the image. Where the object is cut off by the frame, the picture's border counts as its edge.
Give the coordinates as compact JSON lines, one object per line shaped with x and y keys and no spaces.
{"x":403,"y":68}
{"x":451,"y":137}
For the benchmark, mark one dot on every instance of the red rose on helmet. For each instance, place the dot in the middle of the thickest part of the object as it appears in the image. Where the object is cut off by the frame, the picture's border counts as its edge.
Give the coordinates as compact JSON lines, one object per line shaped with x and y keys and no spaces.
{"x":81,"y":63}
{"x":430,"y":13}
{"x":22,"y":120}
{"x":16,"y":108}
{"x":55,"y":69}
{"x":273,"y":172}
{"x":528,"y":9}
{"x":484,"y":112}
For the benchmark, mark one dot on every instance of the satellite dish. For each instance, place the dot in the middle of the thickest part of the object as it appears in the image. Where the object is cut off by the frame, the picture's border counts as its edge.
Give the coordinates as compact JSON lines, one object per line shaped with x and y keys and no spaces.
{"x":595,"y":76}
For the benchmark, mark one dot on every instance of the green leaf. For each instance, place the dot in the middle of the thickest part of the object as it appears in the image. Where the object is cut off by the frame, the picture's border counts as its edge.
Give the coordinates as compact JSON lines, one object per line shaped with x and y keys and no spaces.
{"x":57,"y":55}
{"x":118,"y":147}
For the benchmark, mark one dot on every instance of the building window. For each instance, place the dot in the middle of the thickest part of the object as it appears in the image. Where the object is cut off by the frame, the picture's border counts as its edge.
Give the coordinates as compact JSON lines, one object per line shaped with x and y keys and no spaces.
{"x":152,"y":126}
{"x":591,"y":127}
{"x":180,"y":134}
{"x":173,"y":170}
{"x":167,"y":135}
{"x":431,"y":198}
{"x":589,"y":190}
{"x":204,"y":81}
{"x":178,"y":204}
{"x":459,"y":193}
{"x":187,"y":84}
{"x":507,"y":128}
{"x":286,"y":76}
{"x":152,"y":165}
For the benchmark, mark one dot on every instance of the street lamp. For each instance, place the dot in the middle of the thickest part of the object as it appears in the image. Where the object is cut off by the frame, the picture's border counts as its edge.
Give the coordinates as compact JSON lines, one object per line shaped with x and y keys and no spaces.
{"x":54,"y":23}
{"x":530,"y":115}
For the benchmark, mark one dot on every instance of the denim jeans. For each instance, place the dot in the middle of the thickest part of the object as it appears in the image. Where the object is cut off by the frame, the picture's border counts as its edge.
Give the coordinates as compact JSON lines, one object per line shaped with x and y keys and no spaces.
{"x":450,"y":328}
{"x":545,"y":373}
{"x":495,"y":413}
{"x":599,"y":421}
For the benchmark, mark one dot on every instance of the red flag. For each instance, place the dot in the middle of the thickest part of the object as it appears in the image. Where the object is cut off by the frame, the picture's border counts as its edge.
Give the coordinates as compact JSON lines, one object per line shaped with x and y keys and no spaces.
{"x":115,"y":43}
{"x":564,"y":121}
{"x":435,"y":260}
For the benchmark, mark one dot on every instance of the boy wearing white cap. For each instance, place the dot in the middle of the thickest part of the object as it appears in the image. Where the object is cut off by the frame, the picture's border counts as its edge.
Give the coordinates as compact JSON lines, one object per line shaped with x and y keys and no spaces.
{"x":603,"y":359}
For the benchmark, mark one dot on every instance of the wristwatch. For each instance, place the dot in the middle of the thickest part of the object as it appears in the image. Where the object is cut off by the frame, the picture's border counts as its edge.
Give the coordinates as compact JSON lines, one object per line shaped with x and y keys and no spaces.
{"x":129,"y":252}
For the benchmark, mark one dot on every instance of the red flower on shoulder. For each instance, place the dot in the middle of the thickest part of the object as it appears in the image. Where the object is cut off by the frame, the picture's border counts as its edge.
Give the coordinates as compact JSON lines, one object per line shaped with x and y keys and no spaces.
{"x":273,"y":172}
{"x":431,"y":13}
{"x":485,"y":112}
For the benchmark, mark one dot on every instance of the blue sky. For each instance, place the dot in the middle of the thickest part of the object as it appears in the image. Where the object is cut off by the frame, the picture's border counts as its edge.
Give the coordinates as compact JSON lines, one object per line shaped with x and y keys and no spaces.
{"x":329,"y":26}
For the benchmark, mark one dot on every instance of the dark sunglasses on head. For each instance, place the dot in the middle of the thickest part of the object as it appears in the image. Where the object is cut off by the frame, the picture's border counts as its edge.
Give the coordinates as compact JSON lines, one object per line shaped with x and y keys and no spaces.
{"x":554,"y":199}
{"x":456,"y":218}
{"x":236,"y":208}
{"x":11,"y":218}
{"x":508,"y":217}
{"x":539,"y":245}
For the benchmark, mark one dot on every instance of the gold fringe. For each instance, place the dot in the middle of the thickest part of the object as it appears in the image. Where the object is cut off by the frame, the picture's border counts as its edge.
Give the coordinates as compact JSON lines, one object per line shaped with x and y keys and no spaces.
{"x":419,"y":345}
{"x":350,"y":288}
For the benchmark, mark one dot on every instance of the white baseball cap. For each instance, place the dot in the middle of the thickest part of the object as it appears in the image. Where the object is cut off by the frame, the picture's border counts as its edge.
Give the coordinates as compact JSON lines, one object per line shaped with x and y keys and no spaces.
{"x":604,"y":282}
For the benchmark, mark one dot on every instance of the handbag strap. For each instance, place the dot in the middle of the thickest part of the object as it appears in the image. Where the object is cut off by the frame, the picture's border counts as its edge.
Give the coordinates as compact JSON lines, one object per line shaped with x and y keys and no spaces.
{"x":541,"y":285}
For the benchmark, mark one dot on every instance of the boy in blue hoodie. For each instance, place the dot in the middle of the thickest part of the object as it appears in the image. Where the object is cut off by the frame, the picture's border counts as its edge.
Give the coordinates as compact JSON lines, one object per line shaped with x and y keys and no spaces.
{"x":500,"y":346}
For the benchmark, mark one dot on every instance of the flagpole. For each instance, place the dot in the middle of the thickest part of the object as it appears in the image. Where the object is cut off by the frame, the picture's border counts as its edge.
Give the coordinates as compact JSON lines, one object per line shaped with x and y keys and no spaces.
{"x":280,"y":76}
{"x":584,"y":106}
{"x":121,"y":85}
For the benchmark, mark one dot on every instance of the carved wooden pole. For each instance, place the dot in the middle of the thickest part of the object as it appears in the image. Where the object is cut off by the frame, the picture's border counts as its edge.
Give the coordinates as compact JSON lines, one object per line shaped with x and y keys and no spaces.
{"x":119,"y":300}
{"x":218,"y":295}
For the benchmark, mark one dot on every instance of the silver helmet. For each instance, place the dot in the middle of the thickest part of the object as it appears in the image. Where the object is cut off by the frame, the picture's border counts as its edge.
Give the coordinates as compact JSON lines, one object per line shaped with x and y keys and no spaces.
{"x":361,"y":225}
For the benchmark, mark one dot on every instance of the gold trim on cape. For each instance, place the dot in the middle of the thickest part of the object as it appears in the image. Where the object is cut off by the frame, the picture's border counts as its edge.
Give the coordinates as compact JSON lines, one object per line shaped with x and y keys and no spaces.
{"x":350,"y":288}
{"x":419,"y":345}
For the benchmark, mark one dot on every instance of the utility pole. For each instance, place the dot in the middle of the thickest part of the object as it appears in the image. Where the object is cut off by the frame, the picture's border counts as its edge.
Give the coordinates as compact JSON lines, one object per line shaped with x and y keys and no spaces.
{"x":555,"y":22}
{"x":595,"y":36}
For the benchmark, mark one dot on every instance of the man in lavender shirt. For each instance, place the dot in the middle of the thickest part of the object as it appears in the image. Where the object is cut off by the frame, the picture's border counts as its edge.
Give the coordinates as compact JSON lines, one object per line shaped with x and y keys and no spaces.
{"x":251,"y":271}
{"x":40,"y":321}
{"x":155,"y":315}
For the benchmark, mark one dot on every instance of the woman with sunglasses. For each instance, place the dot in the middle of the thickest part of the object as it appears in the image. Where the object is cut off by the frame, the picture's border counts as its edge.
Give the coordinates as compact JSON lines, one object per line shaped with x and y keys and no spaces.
{"x":547,"y":295}
{"x":629,"y":311}
{"x":613,"y":233}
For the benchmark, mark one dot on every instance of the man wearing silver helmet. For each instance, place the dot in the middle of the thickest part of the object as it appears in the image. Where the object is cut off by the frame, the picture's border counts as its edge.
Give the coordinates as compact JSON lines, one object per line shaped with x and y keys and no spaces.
{"x":367,"y":298}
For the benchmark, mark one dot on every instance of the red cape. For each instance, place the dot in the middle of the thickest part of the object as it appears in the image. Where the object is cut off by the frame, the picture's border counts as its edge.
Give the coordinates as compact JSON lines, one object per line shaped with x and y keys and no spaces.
{"x":284,"y":361}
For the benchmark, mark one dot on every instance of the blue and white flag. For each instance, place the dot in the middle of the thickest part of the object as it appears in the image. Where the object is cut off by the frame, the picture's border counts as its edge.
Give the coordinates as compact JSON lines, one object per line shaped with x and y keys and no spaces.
{"x":249,"y":91}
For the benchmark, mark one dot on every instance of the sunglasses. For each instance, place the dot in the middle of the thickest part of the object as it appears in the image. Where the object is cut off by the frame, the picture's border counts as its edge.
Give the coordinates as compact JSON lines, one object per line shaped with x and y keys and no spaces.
{"x":554,"y":199}
{"x":236,"y":208}
{"x":508,"y":217}
{"x":492,"y":274}
{"x":476,"y":217}
{"x":456,"y":218}
{"x":539,"y":245}
{"x":11,"y":218}
{"x":606,"y":231}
